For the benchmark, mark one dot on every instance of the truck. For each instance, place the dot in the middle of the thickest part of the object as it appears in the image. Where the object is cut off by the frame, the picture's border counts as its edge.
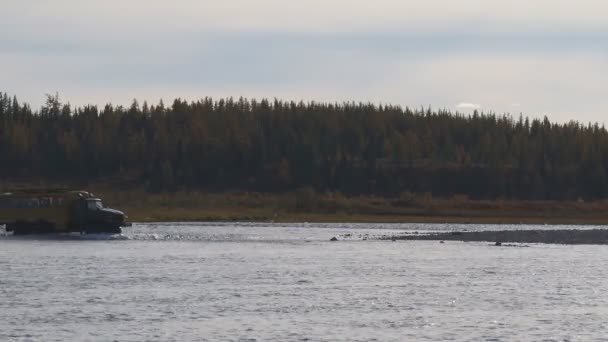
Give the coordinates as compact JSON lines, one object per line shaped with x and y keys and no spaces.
{"x":48,"y":211}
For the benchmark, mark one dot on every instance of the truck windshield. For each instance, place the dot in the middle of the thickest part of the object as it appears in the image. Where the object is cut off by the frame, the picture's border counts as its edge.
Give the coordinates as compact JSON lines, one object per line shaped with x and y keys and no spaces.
{"x":94,"y":205}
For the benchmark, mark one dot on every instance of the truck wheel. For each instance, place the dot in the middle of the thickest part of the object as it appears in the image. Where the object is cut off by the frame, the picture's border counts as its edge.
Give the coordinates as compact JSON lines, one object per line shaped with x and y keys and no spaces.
{"x":44,"y":227}
{"x":22,"y":228}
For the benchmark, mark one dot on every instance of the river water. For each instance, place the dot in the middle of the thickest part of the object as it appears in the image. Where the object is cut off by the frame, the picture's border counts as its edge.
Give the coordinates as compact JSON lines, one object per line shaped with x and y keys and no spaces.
{"x":272,"y":282}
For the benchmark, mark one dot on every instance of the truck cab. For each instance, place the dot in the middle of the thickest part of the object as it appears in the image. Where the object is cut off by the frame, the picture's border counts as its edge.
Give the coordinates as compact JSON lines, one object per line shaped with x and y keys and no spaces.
{"x":89,"y":215}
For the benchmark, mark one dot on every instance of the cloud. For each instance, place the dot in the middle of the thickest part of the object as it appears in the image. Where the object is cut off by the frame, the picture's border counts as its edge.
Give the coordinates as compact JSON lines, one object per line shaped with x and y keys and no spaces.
{"x":468,"y":106}
{"x":137,"y":17}
{"x":548,"y":55}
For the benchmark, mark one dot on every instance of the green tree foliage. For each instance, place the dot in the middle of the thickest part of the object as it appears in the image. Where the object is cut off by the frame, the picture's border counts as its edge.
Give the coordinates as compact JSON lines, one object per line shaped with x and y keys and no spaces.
{"x":273,"y":146}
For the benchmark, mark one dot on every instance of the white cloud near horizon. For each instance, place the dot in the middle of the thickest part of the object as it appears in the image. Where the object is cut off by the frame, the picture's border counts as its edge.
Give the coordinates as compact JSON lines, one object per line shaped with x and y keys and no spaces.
{"x":467,"y":106}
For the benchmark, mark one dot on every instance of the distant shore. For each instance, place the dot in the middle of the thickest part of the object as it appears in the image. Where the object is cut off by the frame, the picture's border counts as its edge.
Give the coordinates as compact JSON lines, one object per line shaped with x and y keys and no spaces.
{"x":308,"y":206}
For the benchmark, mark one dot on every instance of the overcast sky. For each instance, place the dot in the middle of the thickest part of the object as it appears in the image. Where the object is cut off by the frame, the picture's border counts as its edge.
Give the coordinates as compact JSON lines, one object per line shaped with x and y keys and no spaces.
{"x":539,"y":57}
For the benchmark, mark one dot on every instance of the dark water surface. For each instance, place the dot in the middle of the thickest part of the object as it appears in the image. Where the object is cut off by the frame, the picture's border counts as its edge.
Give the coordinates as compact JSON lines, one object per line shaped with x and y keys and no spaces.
{"x":271,"y":282}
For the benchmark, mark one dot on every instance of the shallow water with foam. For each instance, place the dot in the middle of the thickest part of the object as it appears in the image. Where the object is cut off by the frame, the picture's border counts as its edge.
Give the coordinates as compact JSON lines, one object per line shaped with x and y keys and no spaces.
{"x":265,"y":282}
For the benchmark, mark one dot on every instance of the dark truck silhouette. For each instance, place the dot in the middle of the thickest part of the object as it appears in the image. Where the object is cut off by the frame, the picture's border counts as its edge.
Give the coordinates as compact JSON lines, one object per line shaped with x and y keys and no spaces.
{"x":57,"y":211}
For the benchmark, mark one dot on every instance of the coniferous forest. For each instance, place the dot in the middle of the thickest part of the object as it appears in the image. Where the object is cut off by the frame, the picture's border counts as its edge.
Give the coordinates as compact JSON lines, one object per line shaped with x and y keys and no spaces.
{"x":274,"y":146}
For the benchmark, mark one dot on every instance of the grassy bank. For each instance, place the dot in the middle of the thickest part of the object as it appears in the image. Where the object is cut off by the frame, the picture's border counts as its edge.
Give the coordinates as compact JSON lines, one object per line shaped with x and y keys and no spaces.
{"x":307,"y":206}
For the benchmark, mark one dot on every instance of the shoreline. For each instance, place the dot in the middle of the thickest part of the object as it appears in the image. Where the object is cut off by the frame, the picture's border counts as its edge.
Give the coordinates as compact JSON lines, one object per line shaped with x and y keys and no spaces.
{"x":550,"y":236}
{"x":158,"y":216}
{"x":310,"y":206}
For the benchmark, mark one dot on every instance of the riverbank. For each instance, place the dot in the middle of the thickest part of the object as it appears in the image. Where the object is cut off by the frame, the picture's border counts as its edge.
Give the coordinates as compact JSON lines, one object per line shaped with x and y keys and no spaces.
{"x":307,"y":206}
{"x":553,"y":236}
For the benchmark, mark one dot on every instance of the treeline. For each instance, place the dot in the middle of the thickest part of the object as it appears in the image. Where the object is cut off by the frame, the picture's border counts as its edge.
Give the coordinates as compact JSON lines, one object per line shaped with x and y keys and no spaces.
{"x":275,"y":146}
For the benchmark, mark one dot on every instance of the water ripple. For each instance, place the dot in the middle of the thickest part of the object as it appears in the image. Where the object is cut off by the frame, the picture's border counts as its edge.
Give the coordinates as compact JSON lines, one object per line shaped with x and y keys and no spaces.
{"x":181,"y":282}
